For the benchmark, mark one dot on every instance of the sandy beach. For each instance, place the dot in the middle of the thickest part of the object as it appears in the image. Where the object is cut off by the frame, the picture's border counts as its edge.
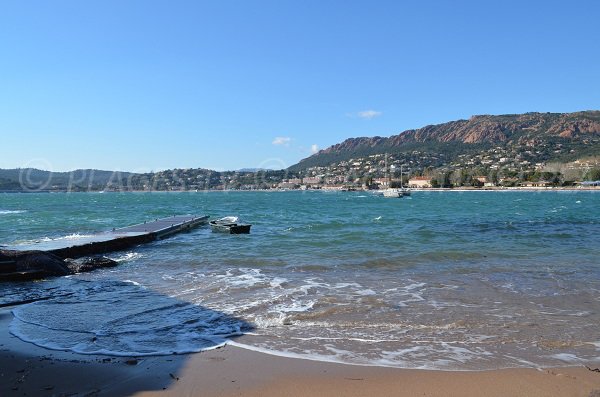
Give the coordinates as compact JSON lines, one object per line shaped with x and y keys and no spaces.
{"x":27,"y":370}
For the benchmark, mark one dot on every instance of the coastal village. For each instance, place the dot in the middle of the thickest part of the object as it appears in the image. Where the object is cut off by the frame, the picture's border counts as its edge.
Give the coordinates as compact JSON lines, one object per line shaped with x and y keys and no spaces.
{"x":487,"y":170}
{"x":492,"y":169}
{"x":526,"y":151}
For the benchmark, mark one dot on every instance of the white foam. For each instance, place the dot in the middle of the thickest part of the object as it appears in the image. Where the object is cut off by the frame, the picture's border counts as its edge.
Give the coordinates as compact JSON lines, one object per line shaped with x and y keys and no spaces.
{"x":269,"y":322}
{"x":413,"y":286}
{"x":128,"y":257}
{"x":362,"y":340}
{"x":311,"y":357}
{"x":295,"y":306}
{"x":346,"y":285}
{"x":350,"y":358}
{"x":526,"y":363}
{"x":248,"y":278}
{"x":74,"y":236}
{"x":7,"y":212}
{"x":366,"y":292}
{"x":566,"y":357}
{"x":277,"y":281}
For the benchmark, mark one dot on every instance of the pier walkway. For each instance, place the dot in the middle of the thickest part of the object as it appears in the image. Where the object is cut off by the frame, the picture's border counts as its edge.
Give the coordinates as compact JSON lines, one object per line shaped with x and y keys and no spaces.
{"x":116,"y":239}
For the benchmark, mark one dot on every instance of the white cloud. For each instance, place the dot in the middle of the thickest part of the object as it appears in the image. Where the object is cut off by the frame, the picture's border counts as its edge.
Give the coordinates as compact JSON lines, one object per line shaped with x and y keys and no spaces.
{"x":314,"y":149}
{"x":282,"y":141}
{"x":369,"y":114}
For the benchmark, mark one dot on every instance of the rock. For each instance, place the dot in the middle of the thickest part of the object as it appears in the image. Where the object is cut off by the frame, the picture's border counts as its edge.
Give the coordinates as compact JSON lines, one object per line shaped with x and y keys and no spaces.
{"x":34,"y":265}
{"x":88,"y":264}
{"x":30,"y":265}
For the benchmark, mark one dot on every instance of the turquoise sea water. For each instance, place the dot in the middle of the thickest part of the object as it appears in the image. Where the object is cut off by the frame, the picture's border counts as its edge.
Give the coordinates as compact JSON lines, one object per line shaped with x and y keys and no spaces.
{"x":445,"y":280}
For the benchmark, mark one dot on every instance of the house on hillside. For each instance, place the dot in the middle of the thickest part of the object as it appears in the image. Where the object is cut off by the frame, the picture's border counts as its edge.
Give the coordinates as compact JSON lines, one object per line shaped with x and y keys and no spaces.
{"x":419,"y":182}
{"x":382,"y":182}
{"x":589,"y":184}
{"x":312,"y":180}
{"x":536,"y":184}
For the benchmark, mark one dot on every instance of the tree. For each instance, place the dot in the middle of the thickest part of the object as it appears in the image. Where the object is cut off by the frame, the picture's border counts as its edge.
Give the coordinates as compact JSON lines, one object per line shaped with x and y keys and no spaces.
{"x":446,"y":180}
{"x":466,"y":179}
{"x":494,"y":177}
{"x":593,"y":175}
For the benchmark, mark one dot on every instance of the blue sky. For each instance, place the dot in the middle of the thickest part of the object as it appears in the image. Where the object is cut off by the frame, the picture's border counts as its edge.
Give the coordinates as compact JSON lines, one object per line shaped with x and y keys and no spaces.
{"x":149,"y":85}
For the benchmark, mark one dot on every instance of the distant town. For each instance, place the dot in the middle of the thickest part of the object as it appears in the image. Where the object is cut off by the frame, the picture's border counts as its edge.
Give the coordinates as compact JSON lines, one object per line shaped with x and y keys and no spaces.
{"x":530,"y":150}
{"x":491,"y":169}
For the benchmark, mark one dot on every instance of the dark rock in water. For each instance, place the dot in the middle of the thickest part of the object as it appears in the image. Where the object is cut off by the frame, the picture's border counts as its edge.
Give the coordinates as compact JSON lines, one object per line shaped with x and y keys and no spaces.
{"x":30,"y":265}
{"x":88,"y":264}
{"x":34,"y":265}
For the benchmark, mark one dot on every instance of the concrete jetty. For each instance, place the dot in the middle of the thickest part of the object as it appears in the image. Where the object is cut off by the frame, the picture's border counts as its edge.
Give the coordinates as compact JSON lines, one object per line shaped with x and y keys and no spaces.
{"x":116,"y":239}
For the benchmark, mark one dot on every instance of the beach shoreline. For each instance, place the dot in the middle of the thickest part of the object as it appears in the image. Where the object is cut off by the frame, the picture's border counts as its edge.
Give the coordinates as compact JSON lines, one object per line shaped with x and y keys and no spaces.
{"x":26,"y":369}
{"x":324,"y":189}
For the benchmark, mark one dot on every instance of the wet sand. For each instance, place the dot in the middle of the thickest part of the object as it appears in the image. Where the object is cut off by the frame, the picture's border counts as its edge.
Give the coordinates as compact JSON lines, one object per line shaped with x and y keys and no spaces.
{"x":230,"y":371}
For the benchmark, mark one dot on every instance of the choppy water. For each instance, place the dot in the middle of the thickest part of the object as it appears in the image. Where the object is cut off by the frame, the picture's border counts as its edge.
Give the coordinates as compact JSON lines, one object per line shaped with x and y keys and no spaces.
{"x":444,"y":280}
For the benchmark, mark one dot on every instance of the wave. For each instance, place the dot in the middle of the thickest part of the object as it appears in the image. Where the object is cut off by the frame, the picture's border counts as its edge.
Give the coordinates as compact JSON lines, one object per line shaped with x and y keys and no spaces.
{"x":409,"y":358}
{"x":73,"y":236}
{"x":140,"y":322}
{"x":128,"y":257}
{"x":7,"y":212}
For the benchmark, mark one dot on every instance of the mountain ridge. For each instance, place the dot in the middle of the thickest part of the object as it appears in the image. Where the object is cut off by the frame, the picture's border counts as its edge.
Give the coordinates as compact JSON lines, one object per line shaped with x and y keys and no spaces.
{"x":473,"y":133}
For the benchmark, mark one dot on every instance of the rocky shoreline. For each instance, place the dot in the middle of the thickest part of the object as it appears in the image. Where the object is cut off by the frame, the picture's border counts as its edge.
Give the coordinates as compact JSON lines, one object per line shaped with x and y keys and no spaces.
{"x":35,"y":265}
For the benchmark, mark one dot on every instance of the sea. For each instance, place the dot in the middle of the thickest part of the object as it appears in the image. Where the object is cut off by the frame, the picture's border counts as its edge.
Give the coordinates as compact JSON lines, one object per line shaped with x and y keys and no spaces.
{"x":439,"y":280}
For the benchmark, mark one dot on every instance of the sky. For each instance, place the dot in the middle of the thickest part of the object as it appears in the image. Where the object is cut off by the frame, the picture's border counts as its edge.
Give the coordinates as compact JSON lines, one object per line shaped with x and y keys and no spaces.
{"x":151,"y":85}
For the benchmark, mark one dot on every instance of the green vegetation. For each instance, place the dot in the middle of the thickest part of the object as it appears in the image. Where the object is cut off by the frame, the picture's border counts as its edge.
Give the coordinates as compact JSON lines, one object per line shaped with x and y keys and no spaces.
{"x":593,"y":175}
{"x":9,"y":185}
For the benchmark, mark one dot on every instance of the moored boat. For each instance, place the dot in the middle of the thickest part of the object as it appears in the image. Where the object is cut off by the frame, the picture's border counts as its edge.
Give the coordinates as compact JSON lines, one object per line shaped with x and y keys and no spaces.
{"x":393,"y":193}
{"x":403,"y":190}
{"x":230,"y":225}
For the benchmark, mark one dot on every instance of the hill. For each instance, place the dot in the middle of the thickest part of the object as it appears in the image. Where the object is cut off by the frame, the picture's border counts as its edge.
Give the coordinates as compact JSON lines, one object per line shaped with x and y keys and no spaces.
{"x":561,"y":136}
{"x":31,"y":179}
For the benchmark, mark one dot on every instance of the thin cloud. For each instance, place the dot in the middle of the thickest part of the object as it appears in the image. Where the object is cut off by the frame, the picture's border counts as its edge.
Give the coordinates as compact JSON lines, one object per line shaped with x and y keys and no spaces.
{"x":314,"y":149}
{"x":282,"y":141}
{"x":369,"y":114}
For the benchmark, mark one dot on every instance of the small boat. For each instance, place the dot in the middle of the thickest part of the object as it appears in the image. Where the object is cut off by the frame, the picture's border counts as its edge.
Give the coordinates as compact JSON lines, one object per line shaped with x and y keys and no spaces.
{"x":393,"y":193}
{"x":230,"y":225}
{"x":404,"y":191}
